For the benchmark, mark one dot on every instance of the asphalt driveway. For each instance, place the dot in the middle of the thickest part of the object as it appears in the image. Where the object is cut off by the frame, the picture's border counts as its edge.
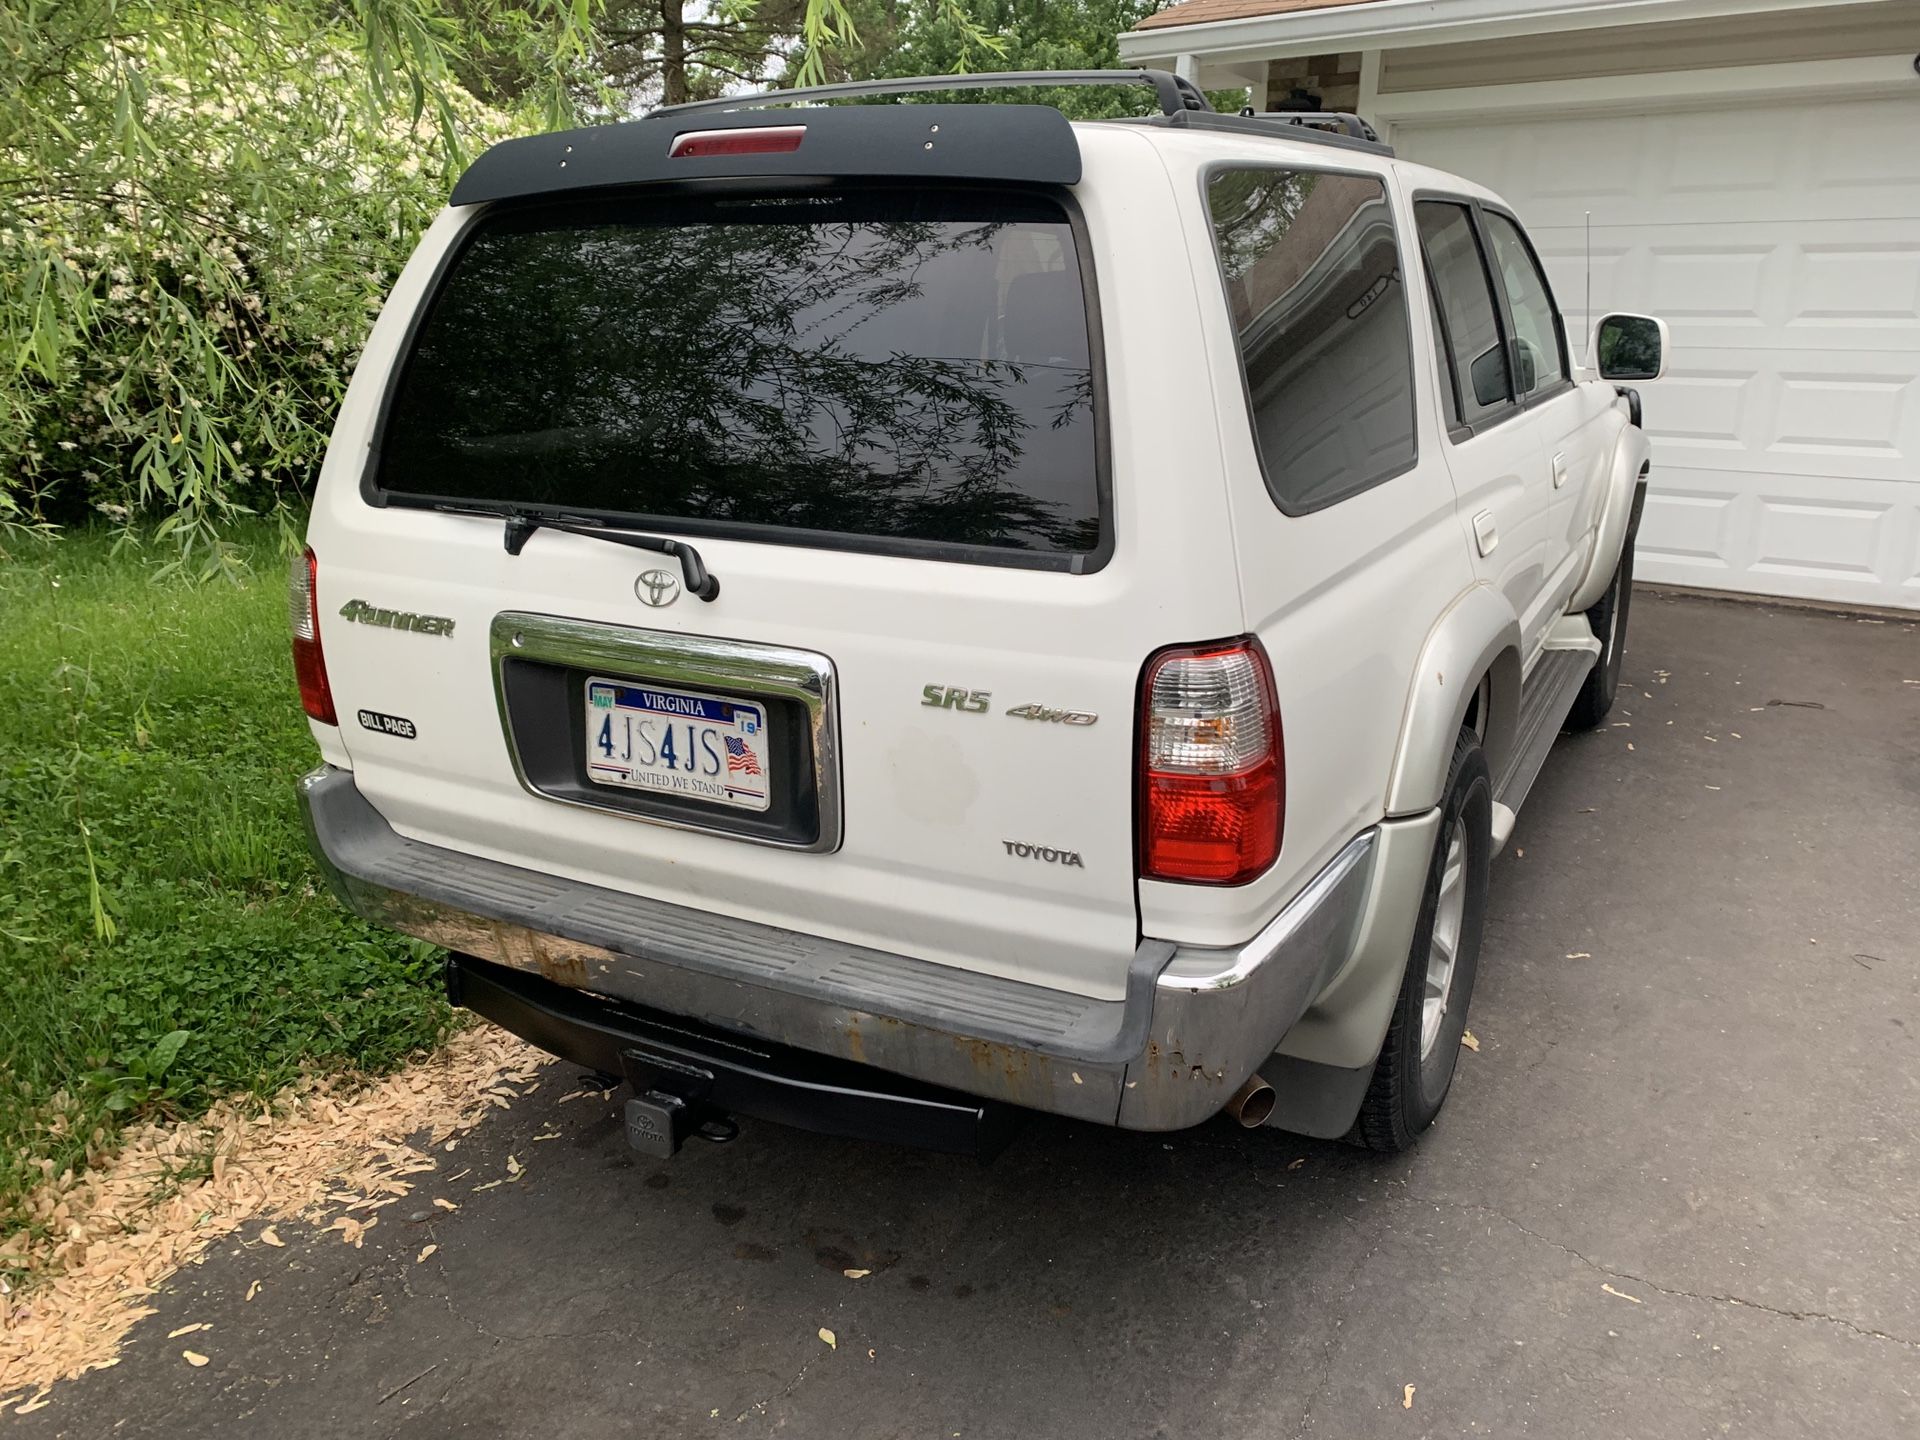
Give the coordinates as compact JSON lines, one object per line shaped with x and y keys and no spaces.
{"x":1676,"y":1193}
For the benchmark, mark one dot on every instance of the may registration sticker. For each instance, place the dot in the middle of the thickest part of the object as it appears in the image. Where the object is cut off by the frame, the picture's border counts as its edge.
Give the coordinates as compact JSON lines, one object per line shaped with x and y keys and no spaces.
{"x":678,"y":742}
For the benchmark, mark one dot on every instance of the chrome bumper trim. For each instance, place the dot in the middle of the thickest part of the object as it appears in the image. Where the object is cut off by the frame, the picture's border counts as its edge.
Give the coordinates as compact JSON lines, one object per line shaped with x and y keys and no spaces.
{"x":1195,"y":1022}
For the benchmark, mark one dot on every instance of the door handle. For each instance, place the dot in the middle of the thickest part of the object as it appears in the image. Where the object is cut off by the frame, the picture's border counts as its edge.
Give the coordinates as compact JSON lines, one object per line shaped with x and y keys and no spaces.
{"x":1484,"y":534}
{"x":1559,"y":469}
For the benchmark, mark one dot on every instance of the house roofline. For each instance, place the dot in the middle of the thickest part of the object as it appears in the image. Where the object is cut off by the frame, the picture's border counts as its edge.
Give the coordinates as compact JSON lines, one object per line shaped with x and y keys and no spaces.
{"x":1227,"y":52}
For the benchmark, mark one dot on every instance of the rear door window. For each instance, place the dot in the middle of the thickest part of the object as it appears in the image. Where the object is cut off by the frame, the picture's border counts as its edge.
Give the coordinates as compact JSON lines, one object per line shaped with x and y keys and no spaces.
{"x":1313,"y":283}
{"x":1471,"y":353}
{"x":869,"y":368}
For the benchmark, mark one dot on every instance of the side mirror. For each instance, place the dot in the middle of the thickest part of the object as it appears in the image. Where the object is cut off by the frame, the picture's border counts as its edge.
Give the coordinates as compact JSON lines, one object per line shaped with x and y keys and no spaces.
{"x":1489,"y":375}
{"x":1630,"y":347}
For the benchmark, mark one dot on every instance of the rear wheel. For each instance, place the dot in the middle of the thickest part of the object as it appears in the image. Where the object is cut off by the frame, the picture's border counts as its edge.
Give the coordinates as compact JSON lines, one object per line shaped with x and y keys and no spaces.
{"x":1416,"y":1064}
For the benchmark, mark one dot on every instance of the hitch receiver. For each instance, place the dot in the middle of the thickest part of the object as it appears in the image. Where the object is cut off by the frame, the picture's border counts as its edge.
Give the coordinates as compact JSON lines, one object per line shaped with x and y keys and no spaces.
{"x":657,"y":1123}
{"x":668,"y":1103}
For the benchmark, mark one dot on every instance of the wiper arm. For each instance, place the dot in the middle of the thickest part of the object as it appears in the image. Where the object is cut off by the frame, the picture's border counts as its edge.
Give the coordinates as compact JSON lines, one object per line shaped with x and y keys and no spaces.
{"x":700,"y":582}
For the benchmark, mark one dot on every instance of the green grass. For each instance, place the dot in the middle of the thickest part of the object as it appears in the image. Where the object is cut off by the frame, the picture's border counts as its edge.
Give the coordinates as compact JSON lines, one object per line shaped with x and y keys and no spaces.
{"x":164,"y":937}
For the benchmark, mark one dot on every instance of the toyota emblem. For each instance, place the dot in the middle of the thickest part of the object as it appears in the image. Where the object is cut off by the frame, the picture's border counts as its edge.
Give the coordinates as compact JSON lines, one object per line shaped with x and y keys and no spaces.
{"x":657,"y":588}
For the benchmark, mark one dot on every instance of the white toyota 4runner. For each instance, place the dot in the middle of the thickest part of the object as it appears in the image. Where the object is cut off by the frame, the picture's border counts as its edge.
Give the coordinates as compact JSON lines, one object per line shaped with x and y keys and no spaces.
{"x":881,"y":616}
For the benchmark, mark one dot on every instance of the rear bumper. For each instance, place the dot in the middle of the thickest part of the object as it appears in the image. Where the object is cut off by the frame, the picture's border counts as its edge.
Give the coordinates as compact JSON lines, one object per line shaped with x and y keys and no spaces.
{"x":1194,"y":1024}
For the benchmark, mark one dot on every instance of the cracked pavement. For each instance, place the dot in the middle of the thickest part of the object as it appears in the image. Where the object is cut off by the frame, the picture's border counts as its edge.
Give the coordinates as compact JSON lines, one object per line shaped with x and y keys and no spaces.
{"x":1675,"y":1193}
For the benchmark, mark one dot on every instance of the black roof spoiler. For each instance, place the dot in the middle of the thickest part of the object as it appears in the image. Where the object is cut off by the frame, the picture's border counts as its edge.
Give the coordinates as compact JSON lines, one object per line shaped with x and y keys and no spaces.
{"x":1014,"y":143}
{"x":1032,"y":144}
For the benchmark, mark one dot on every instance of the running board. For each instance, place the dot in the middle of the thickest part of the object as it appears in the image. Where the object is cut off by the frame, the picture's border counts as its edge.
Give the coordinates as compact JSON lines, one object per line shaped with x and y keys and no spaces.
{"x":1544,"y":702}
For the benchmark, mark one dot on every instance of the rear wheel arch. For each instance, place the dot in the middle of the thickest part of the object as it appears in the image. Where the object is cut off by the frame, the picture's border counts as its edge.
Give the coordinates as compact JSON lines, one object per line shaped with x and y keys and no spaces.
{"x":1470,"y":663}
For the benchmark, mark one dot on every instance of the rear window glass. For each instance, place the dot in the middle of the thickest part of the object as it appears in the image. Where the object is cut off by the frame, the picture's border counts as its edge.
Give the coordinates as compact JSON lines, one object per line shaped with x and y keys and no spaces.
{"x":905,"y":368}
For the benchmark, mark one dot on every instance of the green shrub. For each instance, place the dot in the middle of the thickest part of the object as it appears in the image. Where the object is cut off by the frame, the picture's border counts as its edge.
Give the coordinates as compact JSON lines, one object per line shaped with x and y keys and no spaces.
{"x":202,"y":205}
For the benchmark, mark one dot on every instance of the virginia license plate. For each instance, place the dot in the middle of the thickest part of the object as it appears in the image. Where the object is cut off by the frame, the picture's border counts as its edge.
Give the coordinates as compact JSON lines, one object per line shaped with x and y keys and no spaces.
{"x":678,"y":742}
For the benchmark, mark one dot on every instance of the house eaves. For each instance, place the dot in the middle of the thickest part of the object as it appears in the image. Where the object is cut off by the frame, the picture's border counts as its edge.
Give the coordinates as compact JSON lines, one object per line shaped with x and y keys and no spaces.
{"x":1235,"y":51}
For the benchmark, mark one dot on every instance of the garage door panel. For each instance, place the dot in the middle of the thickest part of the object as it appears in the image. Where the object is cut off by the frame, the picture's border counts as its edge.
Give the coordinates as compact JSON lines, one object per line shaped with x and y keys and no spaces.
{"x":1782,"y":245}
{"x":1704,"y":412}
{"x":1829,"y":413}
{"x":1720,"y":283}
{"x":1845,"y":418}
{"x":1687,"y":532}
{"x":1848,"y":286}
{"x":1839,"y":539}
{"x":1798,"y":534}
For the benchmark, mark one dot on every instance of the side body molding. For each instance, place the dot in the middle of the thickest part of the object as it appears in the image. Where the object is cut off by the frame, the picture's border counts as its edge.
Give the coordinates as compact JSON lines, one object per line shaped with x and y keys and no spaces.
{"x":1630,"y":457}
{"x":1477,"y":635}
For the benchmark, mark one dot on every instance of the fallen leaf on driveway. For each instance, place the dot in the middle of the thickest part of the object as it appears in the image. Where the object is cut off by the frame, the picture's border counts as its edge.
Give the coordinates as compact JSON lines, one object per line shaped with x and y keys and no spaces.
{"x":39,"y":1402}
{"x":270,"y":1236}
{"x":1468,"y":1039}
{"x":188,"y":1330}
{"x":856,"y":1274}
{"x":1406,"y":1400}
{"x":421,"y":1258}
{"x":827,"y":1335}
{"x":193,"y":1358}
{"x":446,"y":1204}
{"x":1296,"y":1164}
{"x":253,"y":1289}
{"x":1621,"y":1294}
{"x":513,"y":1166}
{"x":1579,"y":955}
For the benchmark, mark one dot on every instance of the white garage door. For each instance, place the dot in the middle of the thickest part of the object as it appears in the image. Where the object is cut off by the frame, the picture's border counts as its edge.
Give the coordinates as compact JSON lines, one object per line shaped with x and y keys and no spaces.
{"x":1782,"y":244}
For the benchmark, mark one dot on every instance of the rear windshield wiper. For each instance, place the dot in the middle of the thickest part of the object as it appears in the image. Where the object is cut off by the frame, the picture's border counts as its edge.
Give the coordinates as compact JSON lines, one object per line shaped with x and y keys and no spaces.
{"x":700,"y":582}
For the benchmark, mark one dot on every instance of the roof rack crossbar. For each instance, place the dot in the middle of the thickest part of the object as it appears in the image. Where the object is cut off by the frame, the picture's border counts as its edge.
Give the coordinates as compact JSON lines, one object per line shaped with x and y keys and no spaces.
{"x":1341,"y":122}
{"x":1175,"y":93}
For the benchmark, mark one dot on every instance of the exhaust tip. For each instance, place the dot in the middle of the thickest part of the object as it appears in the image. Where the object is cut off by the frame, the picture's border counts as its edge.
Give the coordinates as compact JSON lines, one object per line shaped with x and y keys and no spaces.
{"x":1252,"y":1103}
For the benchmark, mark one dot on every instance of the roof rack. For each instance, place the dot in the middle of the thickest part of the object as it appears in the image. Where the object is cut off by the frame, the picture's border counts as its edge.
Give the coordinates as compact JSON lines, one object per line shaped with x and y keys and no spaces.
{"x":1316,"y":127}
{"x":1176,"y":94}
{"x":1337,"y":122}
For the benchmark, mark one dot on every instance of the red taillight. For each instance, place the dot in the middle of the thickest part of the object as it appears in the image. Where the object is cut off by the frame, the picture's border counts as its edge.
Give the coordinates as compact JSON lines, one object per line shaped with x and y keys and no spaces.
{"x":309,"y":665}
{"x":749,"y":140}
{"x":1213,"y":790}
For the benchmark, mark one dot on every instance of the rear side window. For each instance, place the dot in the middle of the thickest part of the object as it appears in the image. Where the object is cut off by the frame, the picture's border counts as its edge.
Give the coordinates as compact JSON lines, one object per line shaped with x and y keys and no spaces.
{"x":1469,"y":330}
{"x":890,"y":370}
{"x":1313,"y":284}
{"x":1535,"y":331}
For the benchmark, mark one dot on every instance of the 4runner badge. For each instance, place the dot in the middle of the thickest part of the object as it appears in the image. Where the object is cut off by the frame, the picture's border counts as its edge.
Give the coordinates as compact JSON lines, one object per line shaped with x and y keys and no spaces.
{"x":362,"y":613}
{"x":657,"y":588}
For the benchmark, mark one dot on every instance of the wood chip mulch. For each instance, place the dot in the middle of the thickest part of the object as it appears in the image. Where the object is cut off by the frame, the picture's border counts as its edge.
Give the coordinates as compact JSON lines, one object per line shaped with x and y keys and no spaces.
{"x":116,"y":1233}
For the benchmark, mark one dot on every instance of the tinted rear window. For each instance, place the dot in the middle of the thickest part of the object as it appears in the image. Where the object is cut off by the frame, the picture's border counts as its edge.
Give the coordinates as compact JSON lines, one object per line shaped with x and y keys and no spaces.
{"x":904,"y":368}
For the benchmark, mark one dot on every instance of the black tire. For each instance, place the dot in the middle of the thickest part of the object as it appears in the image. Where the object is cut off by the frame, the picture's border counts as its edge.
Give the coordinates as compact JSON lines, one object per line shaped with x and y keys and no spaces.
{"x":1609,"y":621}
{"x":1411,"y":1079}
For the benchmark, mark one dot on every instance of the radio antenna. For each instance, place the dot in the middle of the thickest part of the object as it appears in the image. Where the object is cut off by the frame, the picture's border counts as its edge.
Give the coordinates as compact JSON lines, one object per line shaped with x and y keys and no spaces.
{"x":1587,"y":312}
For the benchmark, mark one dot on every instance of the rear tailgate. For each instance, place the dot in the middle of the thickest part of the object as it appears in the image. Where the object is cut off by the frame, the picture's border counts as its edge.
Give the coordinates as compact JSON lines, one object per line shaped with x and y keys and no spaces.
{"x":923,"y":465}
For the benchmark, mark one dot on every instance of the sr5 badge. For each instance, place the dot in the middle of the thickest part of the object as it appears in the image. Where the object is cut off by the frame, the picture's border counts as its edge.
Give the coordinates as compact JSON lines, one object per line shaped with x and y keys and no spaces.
{"x":952,"y":697}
